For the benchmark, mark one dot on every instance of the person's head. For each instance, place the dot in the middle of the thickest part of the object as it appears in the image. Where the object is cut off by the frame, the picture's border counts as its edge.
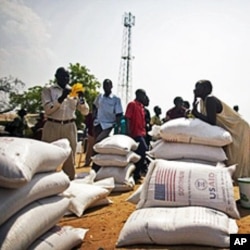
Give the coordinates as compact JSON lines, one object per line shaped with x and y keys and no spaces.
{"x":203,"y":88}
{"x":140,"y":96}
{"x":146,"y":101}
{"x":157,"y":110}
{"x":236,"y":108}
{"x":22,"y":112}
{"x":186,"y":104}
{"x":178,"y":101}
{"x":62,"y":77}
{"x":107,"y":87}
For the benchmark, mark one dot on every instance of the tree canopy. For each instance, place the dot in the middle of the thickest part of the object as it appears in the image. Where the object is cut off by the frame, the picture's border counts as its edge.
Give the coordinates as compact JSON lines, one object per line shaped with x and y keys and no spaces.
{"x":9,"y":86}
{"x":13,"y":96}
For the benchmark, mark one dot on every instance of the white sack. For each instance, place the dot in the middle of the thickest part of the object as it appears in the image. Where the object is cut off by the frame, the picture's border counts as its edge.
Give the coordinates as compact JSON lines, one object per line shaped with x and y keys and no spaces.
{"x":173,"y":184}
{"x":177,"y":226}
{"x":125,"y":187}
{"x":60,"y":238}
{"x":21,"y":158}
{"x":190,"y":130}
{"x":107,"y":183}
{"x":42,"y":185}
{"x":116,"y":144}
{"x":174,"y":150}
{"x":83,"y":195}
{"x":120,"y":175}
{"x":85,"y":177}
{"x":115,"y":160}
{"x":155,"y":132}
{"x":134,"y":198}
{"x":103,"y":202}
{"x":22,"y":229}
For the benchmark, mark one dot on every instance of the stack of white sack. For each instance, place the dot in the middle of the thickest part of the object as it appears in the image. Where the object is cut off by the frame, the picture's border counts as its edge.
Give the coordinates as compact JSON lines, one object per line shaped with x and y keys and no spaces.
{"x":84,"y":193}
{"x":189,"y":139}
{"x":30,"y":185}
{"x":116,"y":156}
{"x":183,"y":203}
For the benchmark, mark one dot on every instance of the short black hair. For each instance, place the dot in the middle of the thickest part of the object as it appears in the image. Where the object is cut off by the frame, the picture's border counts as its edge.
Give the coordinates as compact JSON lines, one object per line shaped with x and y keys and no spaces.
{"x":61,"y":72}
{"x":177,"y":100}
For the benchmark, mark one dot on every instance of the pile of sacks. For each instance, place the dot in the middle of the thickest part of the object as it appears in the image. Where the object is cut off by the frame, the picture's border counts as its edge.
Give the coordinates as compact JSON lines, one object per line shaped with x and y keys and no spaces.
{"x":30,"y":200}
{"x":185,"y":199}
{"x":116,"y":156}
{"x":190,"y":140}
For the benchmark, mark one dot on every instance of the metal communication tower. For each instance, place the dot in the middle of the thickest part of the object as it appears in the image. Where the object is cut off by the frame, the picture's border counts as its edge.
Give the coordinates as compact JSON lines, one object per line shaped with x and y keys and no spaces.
{"x":125,"y":74}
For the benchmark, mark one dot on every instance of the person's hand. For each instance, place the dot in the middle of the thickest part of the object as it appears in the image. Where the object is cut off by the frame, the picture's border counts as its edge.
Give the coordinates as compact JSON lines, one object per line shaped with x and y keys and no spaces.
{"x":64,"y":95}
{"x":81,"y":97}
{"x":195,"y":104}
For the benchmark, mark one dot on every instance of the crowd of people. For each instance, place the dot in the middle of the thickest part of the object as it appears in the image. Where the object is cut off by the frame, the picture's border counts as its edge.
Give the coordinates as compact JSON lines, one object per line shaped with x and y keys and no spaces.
{"x":106,"y":114}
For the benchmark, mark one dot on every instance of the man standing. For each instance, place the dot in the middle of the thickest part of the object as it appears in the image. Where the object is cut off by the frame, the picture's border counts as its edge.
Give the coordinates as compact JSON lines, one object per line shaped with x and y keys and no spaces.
{"x":136,"y":127}
{"x":107,"y":110}
{"x":60,"y":112}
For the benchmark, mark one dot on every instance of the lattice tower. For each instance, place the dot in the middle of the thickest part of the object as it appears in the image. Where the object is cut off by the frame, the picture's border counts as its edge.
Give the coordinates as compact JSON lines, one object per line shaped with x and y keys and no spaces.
{"x":125,"y":71}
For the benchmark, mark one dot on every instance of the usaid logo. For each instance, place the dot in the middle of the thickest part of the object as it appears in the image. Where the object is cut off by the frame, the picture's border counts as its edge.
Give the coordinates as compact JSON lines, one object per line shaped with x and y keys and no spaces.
{"x":201,"y":184}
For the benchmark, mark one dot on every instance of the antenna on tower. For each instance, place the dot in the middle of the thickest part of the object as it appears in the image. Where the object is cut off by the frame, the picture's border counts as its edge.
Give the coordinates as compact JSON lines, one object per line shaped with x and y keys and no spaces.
{"x":125,"y":73}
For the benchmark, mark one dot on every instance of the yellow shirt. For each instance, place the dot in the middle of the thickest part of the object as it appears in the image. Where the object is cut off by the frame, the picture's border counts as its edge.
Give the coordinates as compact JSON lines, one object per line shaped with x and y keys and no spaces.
{"x":155,"y":120}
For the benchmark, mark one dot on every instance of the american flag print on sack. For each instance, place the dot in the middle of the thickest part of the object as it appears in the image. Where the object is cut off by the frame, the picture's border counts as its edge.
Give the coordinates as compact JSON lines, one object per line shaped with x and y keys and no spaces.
{"x":165,"y":180}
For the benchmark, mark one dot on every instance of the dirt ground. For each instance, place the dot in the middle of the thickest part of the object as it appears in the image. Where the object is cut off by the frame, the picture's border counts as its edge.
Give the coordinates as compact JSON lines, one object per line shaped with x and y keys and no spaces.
{"x":105,"y":223}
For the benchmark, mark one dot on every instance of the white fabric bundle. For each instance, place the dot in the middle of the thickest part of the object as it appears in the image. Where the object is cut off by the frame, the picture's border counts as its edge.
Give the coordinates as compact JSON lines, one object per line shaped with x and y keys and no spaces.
{"x":29,"y":223}
{"x":155,"y":132}
{"x":126,"y":186}
{"x":173,"y":150}
{"x":174,"y":183}
{"x":42,"y":185}
{"x":60,"y":238}
{"x":116,"y":144}
{"x":82,"y":196}
{"x":120,"y":175}
{"x":115,"y":160}
{"x":176,"y":226}
{"x":21,"y":158}
{"x":134,"y":198}
{"x":195,"y":131}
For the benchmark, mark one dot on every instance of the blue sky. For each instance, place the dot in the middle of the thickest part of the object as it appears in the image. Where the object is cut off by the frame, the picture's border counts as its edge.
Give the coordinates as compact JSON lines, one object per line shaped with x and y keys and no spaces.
{"x":174,"y":43}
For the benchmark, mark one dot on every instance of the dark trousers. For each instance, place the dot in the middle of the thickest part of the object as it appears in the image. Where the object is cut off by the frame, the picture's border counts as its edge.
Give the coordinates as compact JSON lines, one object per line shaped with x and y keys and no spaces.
{"x":141,"y":165}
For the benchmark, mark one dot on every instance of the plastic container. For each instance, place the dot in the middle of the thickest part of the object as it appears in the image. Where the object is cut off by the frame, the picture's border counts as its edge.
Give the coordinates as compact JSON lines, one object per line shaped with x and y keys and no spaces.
{"x":244,"y":189}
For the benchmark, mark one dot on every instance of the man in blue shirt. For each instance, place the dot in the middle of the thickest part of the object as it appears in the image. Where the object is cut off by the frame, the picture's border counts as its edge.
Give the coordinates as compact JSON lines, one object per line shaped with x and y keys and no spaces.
{"x":108,"y":112}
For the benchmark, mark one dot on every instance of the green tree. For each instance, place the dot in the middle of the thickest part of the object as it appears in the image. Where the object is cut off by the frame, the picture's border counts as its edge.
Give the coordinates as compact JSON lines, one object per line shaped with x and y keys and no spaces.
{"x":80,"y":74}
{"x":31,"y":98}
{"x":8,"y":87}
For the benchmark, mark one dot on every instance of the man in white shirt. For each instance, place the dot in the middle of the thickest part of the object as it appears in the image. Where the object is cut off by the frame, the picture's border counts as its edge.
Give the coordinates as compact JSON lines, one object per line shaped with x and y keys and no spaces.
{"x":60,"y":110}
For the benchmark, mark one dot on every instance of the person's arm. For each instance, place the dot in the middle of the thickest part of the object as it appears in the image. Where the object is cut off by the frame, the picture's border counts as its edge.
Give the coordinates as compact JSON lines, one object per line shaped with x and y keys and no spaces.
{"x":49,"y":105}
{"x":167,"y":117}
{"x":211,"y":110}
{"x":82,"y":105}
{"x":128,"y":126}
{"x":118,"y":118}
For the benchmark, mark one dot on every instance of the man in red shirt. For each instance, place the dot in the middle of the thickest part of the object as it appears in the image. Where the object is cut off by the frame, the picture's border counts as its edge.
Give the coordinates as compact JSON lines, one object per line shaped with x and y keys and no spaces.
{"x":136,"y":128}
